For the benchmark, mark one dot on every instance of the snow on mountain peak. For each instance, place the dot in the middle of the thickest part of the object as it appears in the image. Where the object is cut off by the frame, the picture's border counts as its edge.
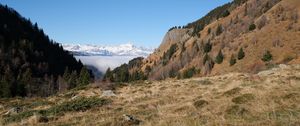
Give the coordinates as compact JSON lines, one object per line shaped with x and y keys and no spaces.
{"x":127,"y":49}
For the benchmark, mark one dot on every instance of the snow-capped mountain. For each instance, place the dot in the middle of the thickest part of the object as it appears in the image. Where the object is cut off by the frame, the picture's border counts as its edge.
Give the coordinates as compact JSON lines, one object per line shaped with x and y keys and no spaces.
{"x":98,"y":50}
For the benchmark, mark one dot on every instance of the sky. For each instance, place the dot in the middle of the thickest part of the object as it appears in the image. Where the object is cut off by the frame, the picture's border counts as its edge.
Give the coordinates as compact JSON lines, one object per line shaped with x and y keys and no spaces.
{"x":111,"y":22}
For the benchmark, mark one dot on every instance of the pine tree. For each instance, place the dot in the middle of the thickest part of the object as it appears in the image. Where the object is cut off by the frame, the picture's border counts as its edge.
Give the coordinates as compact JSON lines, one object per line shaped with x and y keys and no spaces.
{"x":5,"y":84}
{"x":84,"y":77}
{"x":267,"y":56}
{"x":66,"y":74}
{"x":108,"y":75}
{"x":232,"y":60}
{"x":219,"y":57}
{"x":252,"y":27}
{"x":73,"y":79}
{"x":219,"y":30}
{"x":207,"y":47}
{"x":241,"y":54}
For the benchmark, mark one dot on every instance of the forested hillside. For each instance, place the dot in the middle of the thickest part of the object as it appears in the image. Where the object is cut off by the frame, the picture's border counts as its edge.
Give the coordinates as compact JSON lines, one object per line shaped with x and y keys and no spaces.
{"x":240,"y":36}
{"x":31,"y":64}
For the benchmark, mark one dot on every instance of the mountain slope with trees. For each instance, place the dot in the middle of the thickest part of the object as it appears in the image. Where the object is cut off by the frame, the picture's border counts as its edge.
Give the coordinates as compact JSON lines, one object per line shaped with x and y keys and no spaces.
{"x":241,"y":36}
{"x":31,"y":64}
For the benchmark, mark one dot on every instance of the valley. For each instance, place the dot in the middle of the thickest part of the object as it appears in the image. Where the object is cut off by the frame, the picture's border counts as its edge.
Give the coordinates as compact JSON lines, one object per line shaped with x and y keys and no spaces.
{"x":238,"y":65}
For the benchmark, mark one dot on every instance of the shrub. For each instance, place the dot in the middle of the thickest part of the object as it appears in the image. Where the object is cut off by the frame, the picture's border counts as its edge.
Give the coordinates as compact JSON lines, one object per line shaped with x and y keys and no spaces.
{"x":200,"y":104}
{"x":243,"y":98}
{"x":241,"y":54}
{"x":168,"y":54}
{"x":252,"y":27}
{"x":205,"y":82}
{"x":219,"y":57}
{"x":219,"y":30}
{"x":189,"y":72}
{"x":267,"y":56}
{"x":226,"y":13}
{"x":207,"y":47}
{"x":209,"y":31}
{"x":232,"y":60}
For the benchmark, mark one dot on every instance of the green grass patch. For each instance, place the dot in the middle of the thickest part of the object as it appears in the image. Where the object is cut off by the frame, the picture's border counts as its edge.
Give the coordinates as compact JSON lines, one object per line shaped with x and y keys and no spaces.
{"x":80,"y":104}
{"x":233,"y":91}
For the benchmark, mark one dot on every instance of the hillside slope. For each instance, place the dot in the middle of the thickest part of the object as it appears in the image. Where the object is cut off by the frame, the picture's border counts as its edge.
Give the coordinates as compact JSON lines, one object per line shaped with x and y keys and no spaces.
{"x":270,"y":97}
{"x":30,"y":62}
{"x":241,"y":36}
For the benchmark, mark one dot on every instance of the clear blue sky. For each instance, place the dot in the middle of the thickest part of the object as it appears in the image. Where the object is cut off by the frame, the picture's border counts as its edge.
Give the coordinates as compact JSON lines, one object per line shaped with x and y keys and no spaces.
{"x":110,"y":22}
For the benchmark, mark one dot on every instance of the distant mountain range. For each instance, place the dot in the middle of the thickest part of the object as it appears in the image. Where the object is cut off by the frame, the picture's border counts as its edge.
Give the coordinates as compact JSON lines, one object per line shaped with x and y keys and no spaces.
{"x":99,"y":50}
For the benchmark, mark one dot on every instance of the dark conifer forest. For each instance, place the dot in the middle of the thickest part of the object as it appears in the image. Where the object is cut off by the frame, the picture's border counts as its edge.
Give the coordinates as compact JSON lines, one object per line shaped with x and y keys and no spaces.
{"x":31,"y":64}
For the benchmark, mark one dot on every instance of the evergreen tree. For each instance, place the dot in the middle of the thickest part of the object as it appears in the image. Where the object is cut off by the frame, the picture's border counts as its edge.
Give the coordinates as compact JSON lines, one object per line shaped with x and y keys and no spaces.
{"x":5,"y":84}
{"x":241,"y":54}
{"x":226,"y":13}
{"x":25,"y":81}
{"x":267,"y":56}
{"x":219,"y":57}
{"x":84,"y":77}
{"x":219,"y":30}
{"x":108,"y":75}
{"x":66,"y":74}
{"x":232,"y":60}
{"x":252,"y":27}
{"x":73,"y":79}
{"x":207,"y":47}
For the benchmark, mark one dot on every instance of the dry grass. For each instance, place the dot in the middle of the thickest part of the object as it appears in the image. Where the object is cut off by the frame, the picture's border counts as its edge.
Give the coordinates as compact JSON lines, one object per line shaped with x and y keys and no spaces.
{"x":219,"y":100}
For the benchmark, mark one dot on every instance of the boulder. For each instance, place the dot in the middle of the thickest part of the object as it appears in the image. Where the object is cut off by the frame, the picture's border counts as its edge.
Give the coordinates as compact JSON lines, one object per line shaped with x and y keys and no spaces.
{"x":108,"y":93}
{"x":13,"y":111}
{"x":130,"y":120}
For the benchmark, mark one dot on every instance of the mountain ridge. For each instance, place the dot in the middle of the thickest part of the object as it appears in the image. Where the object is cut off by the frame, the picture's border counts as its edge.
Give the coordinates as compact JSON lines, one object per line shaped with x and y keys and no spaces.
{"x":127,"y":49}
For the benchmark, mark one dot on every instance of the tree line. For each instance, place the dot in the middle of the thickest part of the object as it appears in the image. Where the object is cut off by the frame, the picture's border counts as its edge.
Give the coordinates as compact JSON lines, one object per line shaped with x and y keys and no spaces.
{"x":31,"y":64}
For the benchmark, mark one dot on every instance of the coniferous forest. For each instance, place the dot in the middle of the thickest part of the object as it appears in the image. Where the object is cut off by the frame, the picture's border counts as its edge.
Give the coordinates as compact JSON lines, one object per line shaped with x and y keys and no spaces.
{"x":31,"y":64}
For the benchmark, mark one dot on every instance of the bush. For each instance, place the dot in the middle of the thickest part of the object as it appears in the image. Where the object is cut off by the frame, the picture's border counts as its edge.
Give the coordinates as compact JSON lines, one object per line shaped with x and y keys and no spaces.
{"x":226,"y":13}
{"x":189,"y":72}
{"x":252,"y":27}
{"x":241,"y":54}
{"x":207,"y":47}
{"x":219,"y":30}
{"x":168,"y":55}
{"x":208,"y":31}
{"x":267,"y":56}
{"x":200,"y":104}
{"x":219,"y":57}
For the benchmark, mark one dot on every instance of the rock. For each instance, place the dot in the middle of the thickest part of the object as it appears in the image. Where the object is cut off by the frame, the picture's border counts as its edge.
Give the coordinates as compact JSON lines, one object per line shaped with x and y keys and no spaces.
{"x":130,"y":120}
{"x":13,"y":111}
{"x":265,"y":73}
{"x":283,"y":66}
{"x":108,"y":93}
{"x":75,"y":97}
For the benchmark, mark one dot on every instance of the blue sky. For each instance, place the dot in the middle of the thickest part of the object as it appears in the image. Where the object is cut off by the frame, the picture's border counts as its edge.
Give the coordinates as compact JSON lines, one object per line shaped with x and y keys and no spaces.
{"x":111,"y":22}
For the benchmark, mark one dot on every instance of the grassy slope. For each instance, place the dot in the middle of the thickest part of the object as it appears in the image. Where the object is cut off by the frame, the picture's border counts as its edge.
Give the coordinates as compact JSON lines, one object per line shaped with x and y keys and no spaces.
{"x":269,"y":98}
